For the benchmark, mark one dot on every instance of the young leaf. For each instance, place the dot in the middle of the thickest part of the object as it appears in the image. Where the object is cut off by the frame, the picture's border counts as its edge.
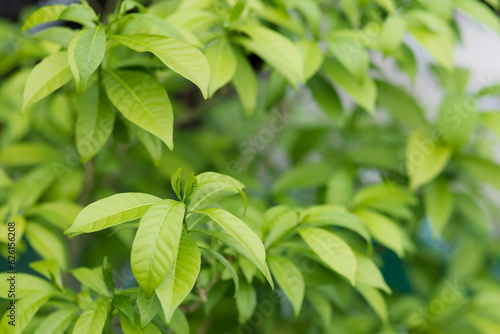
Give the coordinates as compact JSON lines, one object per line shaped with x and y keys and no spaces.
{"x":375,"y":299}
{"x":332,"y":250}
{"x":384,"y":230}
{"x":92,"y":278}
{"x":93,"y":318}
{"x":245,"y":82}
{"x":369,"y":274}
{"x":312,"y":55}
{"x":142,"y":100}
{"x":181,"y":276}
{"x":85,"y":54}
{"x":43,"y":15}
{"x":94,"y":124}
{"x":82,"y":14}
{"x":48,"y":268}
{"x":425,"y":158}
{"x":246,"y":301}
{"x":50,"y":74}
{"x":155,"y":245}
{"x":277,"y":50}
{"x":175,"y":181}
{"x":57,"y":322}
{"x":222,"y":63}
{"x":47,"y":244}
{"x":178,"y":56}
{"x":353,"y":57}
{"x":289,"y":279}
{"x":438,"y":201}
{"x":278,"y":222}
{"x":247,"y":238}
{"x":124,"y":304}
{"x":148,"y":307}
{"x":112,"y":210}
{"x":190,"y":187}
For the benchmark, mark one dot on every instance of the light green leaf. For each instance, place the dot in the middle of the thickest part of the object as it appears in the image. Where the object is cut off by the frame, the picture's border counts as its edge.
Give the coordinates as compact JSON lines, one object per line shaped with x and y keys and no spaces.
{"x":289,"y":279}
{"x":151,"y":143}
{"x":440,"y":47}
{"x":351,"y":10}
{"x":142,"y":100}
{"x":155,"y":245}
{"x":28,"y":153}
{"x":491,"y":120}
{"x":425,"y":158}
{"x":47,"y":244}
{"x":92,"y":278}
{"x":124,"y":304}
{"x":80,"y":13}
{"x":246,"y":301}
{"x":60,"y":213}
{"x":148,"y":307}
{"x":481,"y":169}
{"x":26,"y":285}
{"x":332,"y":250}
{"x":48,"y":268}
{"x":181,"y":276}
{"x":457,"y":118}
{"x":363,"y":91}
{"x":392,"y":33}
{"x":250,"y":242}
{"x":312,"y":55}
{"x":57,"y":322}
{"x":480,"y":12}
{"x":438,"y":201}
{"x":278,"y":222}
{"x":178,"y":56}
{"x":227,"y":265}
{"x":85,"y":54}
{"x":43,"y":15}
{"x":190,"y":186}
{"x":303,"y":176}
{"x":369,"y":274}
{"x":179,"y":324}
{"x":94,"y":124}
{"x":452,"y":81}
{"x":50,"y":74}
{"x":327,"y":98}
{"x":213,"y":187}
{"x":375,"y":299}
{"x":222,"y":63}
{"x":93,"y":318}
{"x":386,"y":231}
{"x":245,"y":82}
{"x":127,"y":326}
{"x":353,"y":57}
{"x":175,"y":181}
{"x":112,"y":210}
{"x":277,"y":50}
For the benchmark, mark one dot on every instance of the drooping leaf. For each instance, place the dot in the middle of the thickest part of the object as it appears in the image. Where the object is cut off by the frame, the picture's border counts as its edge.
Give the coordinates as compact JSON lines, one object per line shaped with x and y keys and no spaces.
{"x":278,"y":222}
{"x":369,"y":274}
{"x":326,"y":97}
{"x":222,"y":63}
{"x":43,"y":15}
{"x":384,"y":230}
{"x":57,"y":322}
{"x":142,"y":100}
{"x":148,"y":306}
{"x":313,"y":57}
{"x":47,"y":244}
{"x":152,"y":144}
{"x":250,"y":242}
{"x":181,"y":276}
{"x":48,"y":268}
{"x":480,"y":12}
{"x":50,"y":74}
{"x":93,"y":318}
{"x":375,"y":299}
{"x":246,"y":301}
{"x":92,"y":278}
{"x":178,"y":56}
{"x":440,"y":47}
{"x":353,"y":57}
{"x":425,"y":158}
{"x":155,"y":245}
{"x":245,"y":82}
{"x":332,"y":250}
{"x":438,"y":201}
{"x":227,"y":265}
{"x":111,"y":211}
{"x":85,"y":54}
{"x":290,"y":280}
{"x":392,"y":33}
{"x":80,"y":13}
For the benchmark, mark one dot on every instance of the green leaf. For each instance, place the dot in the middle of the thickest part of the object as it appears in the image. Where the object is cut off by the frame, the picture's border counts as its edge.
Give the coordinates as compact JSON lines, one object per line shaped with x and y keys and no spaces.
{"x":190,"y":186}
{"x":480,"y":12}
{"x":148,"y":306}
{"x":26,"y":285}
{"x":245,"y":82}
{"x":142,"y":100}
{"x":375,"y":299}
{"x":353,"y":57}
{"x":386,"y":231}
{"x":59,"y":213}
{"x":332,"y":250}
{"x":128,"y":326}
{"x":491,"y":120}
{"x":47,"y":244}
{"x":93,"y":318}
{"x":227,"y":265}
{"x":438,"y":201}
{"x":278,"y":222}
{"x":112,"y":210}
{"x":82,"y":14}
{"x":289,"y":279}
{"x":124,"y":304}
{"x":250,"y":242}
{"x":213,"y":187}
{"x":48,"y":268}
{"x":181,"y":276}
{"x":94,"y":124}
{"x":363,"y":90}
{"x":151,"y":143}
{"x":440,"y":47}
{"x":303,"y":176}
{"x":425,"y":158}
{"x":277,"y":50}
{"x":351,"y":10}
{"x":155,"y":245}
{"x":246,"y":302}
{"x":481,"y":169}
{"x":312,"y":55}
{"x":43,"y":15}
{"x":327,"y":98}
{"x":57,"y":322}
{"x":392,"y":33}
{"x":457,"y":118}
{"x":369,"y":274}
{"x":452,"y":81}
{"x":92,"y":278}
{"x":179,"y":324}
{"x":107,"y":274}
{"x":180,"y":57}
{"x":50,"y":74}
{"x":222,"y":63}
{"x":175,"y":181}
{"x":85,"y":54}
{"x":27,"y":153}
